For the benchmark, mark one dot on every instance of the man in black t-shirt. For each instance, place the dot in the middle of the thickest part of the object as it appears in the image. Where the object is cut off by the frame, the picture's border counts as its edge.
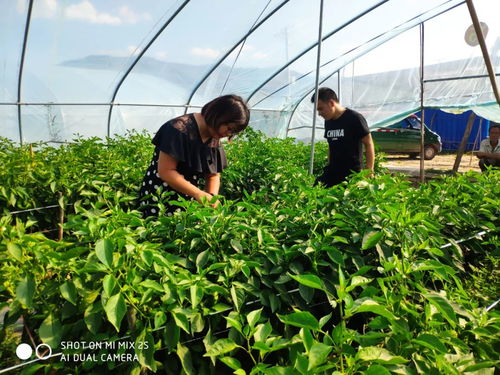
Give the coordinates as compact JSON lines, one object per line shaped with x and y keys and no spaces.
{"x":346,"y":131}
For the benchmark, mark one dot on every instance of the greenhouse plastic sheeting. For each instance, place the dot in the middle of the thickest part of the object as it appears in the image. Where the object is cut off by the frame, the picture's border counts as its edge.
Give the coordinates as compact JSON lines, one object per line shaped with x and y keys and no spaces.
{"x":98,"y":68}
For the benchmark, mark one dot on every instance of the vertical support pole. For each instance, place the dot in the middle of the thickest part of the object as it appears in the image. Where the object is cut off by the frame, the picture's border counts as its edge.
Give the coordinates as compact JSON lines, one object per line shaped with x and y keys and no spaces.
{"x":21,"y":67}
{"x":484,"y":50}
{"x":318,"y":61}
{"x":422,"y":112}
{"x":338,"y":86}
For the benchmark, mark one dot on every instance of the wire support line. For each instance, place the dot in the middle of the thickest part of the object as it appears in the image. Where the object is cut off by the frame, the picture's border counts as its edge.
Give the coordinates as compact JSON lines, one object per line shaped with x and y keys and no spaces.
{"x":241,"y":49}
{"x":5,"y":370}
{"x":246,"y":304}
{"x":102,"y":104}
{"x":456,"y":78}
{"x":492,"y":305}
{"x":466,"y":239}
{"x":38,"y":209}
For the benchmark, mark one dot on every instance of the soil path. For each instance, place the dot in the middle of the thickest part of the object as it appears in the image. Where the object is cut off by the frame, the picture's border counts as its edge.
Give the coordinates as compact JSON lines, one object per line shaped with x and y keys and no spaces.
{"x":443,"y":162}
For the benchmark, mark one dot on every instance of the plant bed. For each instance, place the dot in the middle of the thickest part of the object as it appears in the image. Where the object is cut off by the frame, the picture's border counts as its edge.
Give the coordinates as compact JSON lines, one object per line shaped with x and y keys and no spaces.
{"x":282,"y":278}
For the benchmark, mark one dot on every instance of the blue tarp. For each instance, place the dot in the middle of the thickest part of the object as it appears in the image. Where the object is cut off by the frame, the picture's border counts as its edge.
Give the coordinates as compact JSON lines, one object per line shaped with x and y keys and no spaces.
{"x":451,"y":128}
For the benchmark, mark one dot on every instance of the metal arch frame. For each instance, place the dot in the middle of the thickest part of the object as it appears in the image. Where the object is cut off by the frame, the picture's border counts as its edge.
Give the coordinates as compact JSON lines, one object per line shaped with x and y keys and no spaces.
{"x":353,"y":49}
{"x":139,"y":56}
{"x":316,"y":85}
{"x":221,"y":60}
{"x":484,"y":49}
{"x":340,"y":68}
{"x":344,"y":25}
{"x":305,"y":96}
{"x":21,"y":67}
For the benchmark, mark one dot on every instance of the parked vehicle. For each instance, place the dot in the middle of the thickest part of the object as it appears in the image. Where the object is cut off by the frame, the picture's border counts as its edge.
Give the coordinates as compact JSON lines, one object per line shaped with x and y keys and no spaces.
{"x":403,"y":137}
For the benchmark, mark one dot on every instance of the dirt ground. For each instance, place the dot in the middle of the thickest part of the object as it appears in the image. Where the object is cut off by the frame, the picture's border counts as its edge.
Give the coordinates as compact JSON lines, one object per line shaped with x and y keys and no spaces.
{"x":441,"y":162}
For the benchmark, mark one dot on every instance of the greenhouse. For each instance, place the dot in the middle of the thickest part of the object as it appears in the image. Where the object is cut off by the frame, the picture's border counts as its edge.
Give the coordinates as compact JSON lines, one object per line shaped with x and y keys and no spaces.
{"x":274,"y":273}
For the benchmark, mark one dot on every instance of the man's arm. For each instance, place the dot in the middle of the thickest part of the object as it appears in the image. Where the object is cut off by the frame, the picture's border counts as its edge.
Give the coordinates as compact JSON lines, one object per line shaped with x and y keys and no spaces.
{"x":369,"y":151}
{"x":487,"y":155}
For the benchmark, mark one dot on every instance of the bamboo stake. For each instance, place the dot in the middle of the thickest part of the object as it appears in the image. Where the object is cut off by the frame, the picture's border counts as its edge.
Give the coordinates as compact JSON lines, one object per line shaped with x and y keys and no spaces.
{"x":61,"y":217}
{"x":463,"y":143}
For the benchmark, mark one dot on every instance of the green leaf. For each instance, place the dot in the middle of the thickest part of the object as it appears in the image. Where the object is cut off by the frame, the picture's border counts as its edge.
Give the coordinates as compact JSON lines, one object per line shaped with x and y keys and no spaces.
{"x":307,"y":339}
{"x":25,"y":291}
{"x":318,"y":355}
{"x":145,"y":349}
{"x":278,"y":370}
{"x":443,"y":306}
{"x":369,"y":305}
{"x":104,"y":251}
{"x":370,"y":239}
{"x":357,"y":281}
{"x":377,"y":370}
{"x":234,"y":321}
{"x":115,"y":310}
{"x":306,"y":293}
{"x":262,"y":332}
{"x":151,"y":284}
{"x":196,"y":295}
{"x":147,"y":257}
{"x":376,"y":354}
{"x":50,"y":331}
{"x":259,"y":237}
{"x":181,"y":320}
{"x":481,"y":365}
{"x":335,"y":255}
{"x":160,"y":319}
{"x":324,"y":320}
{"x":238,"y":296}
{"x":93,"y":318}
{"x":15,"y":250}
{"x":202,"y":259}
{"x":186,"y":360}
{"x":108,"y":285}
{"x":342,"y":283}
{"x":172,"y":335}
{"x":231,"y":362}
{"x":68,"y":291}
{"x":253,"y":317}
{"x":431,"y":342}
{"x":236,"y":245}
{"x":302,"y":319}
{"x":220,"y":347}
{"x":309,"y":280}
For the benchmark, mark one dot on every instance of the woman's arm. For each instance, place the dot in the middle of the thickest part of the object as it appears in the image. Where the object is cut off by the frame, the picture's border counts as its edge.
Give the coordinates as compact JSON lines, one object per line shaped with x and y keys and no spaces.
{"x":212,"y":183}
{"x":167,"y":170}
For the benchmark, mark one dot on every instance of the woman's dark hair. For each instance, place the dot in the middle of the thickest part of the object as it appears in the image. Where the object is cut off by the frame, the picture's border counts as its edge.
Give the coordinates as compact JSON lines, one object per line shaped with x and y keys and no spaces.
{"x":325,"y":94}
{"x":226,"y":109}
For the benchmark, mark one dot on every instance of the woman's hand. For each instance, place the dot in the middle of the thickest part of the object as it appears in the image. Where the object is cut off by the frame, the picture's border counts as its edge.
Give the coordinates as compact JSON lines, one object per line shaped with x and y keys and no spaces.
{"x":208,"y":197}
{"x":202,"y":196}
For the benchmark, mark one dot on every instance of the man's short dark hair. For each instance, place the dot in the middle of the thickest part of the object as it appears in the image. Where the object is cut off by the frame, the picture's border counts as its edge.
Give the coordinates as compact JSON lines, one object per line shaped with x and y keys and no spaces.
{"x":325,"y":94}
{"x":494,"y":125}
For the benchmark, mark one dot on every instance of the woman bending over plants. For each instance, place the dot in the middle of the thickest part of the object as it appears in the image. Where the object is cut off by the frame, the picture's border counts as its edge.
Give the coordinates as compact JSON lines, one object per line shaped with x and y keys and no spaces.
{"x":188,"y":148}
